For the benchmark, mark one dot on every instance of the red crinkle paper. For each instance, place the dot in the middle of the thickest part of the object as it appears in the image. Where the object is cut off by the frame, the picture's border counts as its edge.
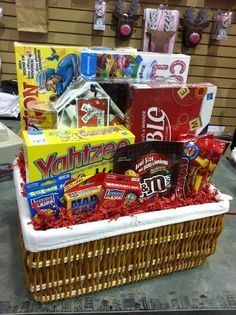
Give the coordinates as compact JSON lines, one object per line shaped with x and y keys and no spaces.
{"x":112,"y":209}
{"x":20,"y":162}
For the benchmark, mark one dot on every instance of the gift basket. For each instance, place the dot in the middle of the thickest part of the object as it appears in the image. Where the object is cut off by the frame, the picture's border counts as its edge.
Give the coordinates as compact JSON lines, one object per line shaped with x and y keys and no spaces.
{"x":115,"y":193}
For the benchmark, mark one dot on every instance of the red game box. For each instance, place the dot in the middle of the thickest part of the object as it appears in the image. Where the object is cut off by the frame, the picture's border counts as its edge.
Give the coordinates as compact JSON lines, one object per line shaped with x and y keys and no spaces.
{"x":163,"y":112}
{"x":92,"y":192}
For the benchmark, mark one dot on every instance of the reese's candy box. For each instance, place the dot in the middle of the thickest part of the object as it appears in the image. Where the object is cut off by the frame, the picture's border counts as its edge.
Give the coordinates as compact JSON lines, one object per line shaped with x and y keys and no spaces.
{"x":81,"y":151}
{"x":46,"y":194}
{"x":156,"y":162}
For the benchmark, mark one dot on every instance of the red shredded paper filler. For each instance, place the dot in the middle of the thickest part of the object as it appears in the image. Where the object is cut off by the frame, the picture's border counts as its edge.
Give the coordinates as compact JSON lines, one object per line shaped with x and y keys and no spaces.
{"x":112,"y":209}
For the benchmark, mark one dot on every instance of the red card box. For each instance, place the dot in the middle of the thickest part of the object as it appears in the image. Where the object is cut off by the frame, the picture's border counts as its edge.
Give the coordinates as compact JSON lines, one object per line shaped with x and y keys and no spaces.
{"x":163,"y":112}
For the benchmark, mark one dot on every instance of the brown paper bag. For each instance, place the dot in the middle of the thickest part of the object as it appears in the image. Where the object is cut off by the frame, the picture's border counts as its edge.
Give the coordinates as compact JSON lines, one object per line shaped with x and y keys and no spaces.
{"x":32,"y":16}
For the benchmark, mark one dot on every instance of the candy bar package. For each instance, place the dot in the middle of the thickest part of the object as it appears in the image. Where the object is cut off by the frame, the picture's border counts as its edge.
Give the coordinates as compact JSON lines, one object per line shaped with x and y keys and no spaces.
{"x":199,"y":160}
{"x":156,"y":162}
{"x":141,"y":65}
{"x":46,"y":194}
{"x":163,"y":111}
{"x":218,"y":148}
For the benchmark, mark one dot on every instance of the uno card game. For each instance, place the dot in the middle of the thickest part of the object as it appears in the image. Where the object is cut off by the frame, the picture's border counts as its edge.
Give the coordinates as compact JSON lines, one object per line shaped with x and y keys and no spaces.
{"x":93,"y":112}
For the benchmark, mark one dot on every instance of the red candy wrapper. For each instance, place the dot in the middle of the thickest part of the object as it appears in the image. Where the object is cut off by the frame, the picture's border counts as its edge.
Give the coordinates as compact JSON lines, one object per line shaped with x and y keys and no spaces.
{"x":112,"y":210}
{"x":218,"y":149}
{"x":194,"y":165}
{"x":157,"y":163}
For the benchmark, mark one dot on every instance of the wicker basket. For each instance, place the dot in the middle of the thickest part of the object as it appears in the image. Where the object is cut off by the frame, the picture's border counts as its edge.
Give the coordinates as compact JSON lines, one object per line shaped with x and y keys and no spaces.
{"x":89,"y":267}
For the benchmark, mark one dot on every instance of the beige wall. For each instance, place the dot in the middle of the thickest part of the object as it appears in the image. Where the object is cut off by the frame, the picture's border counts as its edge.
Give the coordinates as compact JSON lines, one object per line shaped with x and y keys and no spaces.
{"x":70,"y":23}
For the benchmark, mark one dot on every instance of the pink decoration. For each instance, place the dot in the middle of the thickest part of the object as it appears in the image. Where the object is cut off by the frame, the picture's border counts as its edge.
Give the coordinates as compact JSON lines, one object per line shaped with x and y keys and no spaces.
{"x":194,"y":38}
{"x":160,"y":30}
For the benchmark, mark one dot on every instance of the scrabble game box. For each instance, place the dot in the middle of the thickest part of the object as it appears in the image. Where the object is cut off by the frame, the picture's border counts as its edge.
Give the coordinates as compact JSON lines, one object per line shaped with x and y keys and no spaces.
{"x":164,"y":112}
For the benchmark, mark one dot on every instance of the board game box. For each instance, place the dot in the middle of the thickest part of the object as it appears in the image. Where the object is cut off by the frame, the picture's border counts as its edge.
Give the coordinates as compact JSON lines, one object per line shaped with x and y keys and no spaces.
{"x":137,"y":65}
{"x":43,"y":73}
{"x":164,"y":112}
{"x":81,"y":151}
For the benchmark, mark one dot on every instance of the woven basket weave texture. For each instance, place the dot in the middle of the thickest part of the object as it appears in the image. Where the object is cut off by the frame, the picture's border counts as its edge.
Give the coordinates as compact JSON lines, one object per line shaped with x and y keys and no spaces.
{"x":93,"y":266}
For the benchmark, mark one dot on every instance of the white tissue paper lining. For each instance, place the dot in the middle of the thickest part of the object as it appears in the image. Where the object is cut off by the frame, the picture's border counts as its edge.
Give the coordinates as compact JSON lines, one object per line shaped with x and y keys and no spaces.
{"x":37,"y":241}
{"x":9,"y":105}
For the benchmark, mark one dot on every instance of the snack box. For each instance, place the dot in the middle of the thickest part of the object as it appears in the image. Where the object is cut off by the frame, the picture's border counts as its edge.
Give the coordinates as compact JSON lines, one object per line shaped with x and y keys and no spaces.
{"x":83,"y":200}
{"x":46,"y":194}
{"x":100,"y":187}
{"x":165,"y":111}
{"x":140,"y":65}
{"x":120,"y":187}
{"x":81,"y":151}
{"x":43,"y":73}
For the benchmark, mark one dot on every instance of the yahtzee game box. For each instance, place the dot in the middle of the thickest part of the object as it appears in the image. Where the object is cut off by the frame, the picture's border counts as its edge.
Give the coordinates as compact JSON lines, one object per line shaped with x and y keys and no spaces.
{"x":81,"y":151}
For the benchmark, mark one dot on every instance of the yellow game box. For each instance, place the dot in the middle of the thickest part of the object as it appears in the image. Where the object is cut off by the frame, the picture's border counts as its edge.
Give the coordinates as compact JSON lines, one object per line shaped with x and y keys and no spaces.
{"x":43,"y":73}
{"x":82,"y":151}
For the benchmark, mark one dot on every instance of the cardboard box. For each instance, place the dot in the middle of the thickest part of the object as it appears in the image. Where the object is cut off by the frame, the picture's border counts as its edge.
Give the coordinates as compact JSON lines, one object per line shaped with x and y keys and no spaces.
{"x":82,"y":151}
{"x":44,"y":72}
{"x":141,"y":65}
{"x":10,"y":145}
{"x":163,"y":112}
